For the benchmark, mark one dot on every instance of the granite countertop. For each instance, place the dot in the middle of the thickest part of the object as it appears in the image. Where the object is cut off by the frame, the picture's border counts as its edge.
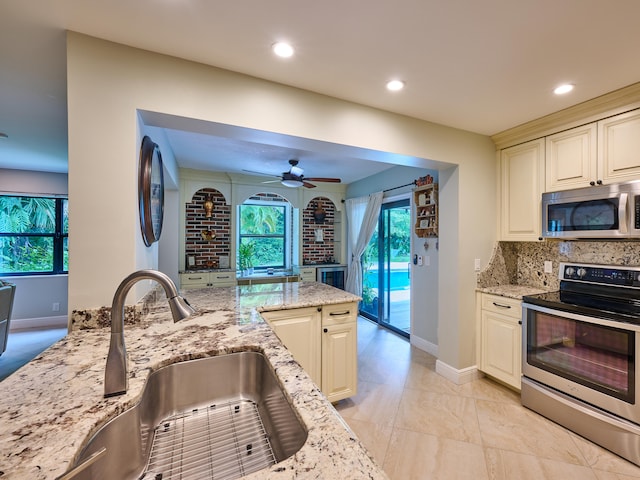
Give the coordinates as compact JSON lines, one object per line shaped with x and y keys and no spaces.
{"x":50,"y":406}
{"x":512,"y":291}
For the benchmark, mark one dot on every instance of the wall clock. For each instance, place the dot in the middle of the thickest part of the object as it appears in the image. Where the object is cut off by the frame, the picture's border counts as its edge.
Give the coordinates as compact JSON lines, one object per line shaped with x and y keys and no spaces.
{"x":150,"y":191}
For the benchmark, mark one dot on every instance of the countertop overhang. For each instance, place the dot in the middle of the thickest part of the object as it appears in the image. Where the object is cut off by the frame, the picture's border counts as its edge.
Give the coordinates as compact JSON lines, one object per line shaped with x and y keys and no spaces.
{"x":54,"y":403}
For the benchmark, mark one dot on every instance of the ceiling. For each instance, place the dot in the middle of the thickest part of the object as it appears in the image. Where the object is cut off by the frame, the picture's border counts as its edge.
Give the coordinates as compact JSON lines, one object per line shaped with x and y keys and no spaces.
{"x":482,"y":66}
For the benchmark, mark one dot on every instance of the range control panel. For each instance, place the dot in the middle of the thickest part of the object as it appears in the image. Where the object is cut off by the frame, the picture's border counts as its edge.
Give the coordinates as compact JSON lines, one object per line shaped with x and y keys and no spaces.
{"x":613,"y":275}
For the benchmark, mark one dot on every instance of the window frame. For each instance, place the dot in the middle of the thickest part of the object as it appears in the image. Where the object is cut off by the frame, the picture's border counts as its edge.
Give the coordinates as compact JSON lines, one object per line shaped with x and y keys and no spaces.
{"x":286,"y":235}
{"x":59,"y":237}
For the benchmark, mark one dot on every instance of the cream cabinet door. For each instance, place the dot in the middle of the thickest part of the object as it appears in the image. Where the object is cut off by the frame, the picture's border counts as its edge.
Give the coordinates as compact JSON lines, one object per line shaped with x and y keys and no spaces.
{"x":619,"y":147}
{"x":299,"y":331}
{"x":521,"y":185}
{"x":339,"y":361}
{"x":339,"y":351}
{"x":500,"y":338}
{"x":571,"y":158}
{"x":501,"y":348}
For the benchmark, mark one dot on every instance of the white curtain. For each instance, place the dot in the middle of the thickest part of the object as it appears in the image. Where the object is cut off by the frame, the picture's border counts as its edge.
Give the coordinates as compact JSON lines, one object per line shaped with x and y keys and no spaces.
{"x":362,"y":215}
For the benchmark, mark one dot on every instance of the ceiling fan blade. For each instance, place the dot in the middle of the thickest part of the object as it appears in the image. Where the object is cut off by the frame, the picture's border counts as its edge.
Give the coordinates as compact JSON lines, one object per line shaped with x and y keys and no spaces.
{"x":262,"y":173}
{"x":322,"y":179}
{"x":308,"y":185}
{"x":271,"y":181}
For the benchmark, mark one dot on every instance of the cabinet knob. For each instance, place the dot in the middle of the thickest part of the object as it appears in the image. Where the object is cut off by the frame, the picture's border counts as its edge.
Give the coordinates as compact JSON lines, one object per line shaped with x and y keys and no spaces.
{"x":325,"y":330}
{"x":599,"y":182}
{"x":319,"y":309}
{"x":592,"y":183}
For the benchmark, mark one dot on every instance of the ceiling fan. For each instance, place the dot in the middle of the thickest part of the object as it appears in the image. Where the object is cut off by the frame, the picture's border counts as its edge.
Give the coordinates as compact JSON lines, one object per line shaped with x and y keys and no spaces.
{"x":295,"y":177}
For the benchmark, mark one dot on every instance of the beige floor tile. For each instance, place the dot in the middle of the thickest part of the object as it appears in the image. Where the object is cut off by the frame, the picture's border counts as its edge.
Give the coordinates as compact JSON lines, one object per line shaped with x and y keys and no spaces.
{"x":376,"y":368}
{"x":506,"y":465}
{"x":601,"y":459}
{"x":517,"y":429}
{"x":602,"y":475}
{"x":487,"y":389}
{"x":375,"y":402}
{"x":444,"y":415}
{"x":413,"y":456}
{"x":424,"y":377}
{"x":374,"y":437}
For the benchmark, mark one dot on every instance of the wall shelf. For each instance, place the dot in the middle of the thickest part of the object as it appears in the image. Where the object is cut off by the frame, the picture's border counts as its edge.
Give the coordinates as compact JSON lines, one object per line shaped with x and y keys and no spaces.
{"x":425,"y":199}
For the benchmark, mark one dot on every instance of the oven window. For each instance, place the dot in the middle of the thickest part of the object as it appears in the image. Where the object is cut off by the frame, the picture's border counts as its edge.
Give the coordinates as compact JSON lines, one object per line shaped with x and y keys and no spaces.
{"x":597,"y":356}
{"x":583,"y":216}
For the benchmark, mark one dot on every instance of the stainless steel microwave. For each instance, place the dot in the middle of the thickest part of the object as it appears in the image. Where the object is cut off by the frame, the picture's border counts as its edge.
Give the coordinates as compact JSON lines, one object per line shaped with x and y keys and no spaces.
{"x":602,"y":211}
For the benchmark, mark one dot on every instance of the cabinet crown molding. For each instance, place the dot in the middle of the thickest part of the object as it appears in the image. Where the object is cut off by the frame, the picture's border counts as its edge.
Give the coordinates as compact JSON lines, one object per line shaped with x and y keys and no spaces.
{"x":613,"y":103}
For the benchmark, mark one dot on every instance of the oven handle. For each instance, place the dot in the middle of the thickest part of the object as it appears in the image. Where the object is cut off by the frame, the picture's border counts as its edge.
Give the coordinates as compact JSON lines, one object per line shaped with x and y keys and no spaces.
{"x":622,"y":213}
{"x":580,"y":317}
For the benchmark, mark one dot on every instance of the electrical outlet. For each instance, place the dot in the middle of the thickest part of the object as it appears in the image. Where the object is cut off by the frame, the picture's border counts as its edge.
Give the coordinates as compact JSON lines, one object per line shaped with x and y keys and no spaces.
{"x":476,"y":265}
{"x":548,"y":267}
{"x":55,"y":307}
{"x":420,"y":260}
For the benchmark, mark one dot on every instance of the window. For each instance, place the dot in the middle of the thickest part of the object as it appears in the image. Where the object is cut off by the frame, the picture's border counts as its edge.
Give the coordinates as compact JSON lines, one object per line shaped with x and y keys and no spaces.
{"x":263,"y":228}
{"x":33,"y":235}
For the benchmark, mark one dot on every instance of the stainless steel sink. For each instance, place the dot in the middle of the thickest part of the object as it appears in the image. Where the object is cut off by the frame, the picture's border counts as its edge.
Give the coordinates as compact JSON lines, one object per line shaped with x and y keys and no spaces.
{"x":217,"y":417}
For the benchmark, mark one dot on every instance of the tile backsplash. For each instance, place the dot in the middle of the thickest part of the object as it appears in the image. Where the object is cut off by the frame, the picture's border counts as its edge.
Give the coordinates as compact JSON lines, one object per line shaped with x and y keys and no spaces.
{"x":522,"y":263}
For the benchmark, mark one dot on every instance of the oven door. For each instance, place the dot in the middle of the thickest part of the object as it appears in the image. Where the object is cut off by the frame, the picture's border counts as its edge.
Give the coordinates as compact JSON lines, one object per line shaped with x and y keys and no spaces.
{"x":589,"y":358}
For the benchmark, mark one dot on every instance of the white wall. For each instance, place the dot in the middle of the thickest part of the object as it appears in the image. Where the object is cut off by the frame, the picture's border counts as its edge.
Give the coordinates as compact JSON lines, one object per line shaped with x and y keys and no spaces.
{"x":35,"y":295}
{"x":117,"y":81}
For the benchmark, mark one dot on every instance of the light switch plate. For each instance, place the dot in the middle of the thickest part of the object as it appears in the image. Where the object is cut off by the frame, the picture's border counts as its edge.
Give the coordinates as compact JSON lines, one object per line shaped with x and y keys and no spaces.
{"x":548,"y":267}
{"x":476,"y":265}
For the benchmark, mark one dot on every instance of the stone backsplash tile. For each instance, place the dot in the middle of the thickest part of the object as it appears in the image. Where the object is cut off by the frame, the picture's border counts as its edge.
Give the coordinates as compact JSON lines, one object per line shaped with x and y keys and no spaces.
{"x":522,"y":263}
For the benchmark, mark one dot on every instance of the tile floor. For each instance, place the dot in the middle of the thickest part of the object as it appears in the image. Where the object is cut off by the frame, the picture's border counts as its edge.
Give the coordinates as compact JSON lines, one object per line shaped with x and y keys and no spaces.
{"x":24,"y":345}
{"x":418,"y":425}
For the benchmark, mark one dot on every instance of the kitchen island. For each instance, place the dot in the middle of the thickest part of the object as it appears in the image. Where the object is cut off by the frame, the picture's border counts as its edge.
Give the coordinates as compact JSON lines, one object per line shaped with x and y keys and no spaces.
{"x":52,"y":405}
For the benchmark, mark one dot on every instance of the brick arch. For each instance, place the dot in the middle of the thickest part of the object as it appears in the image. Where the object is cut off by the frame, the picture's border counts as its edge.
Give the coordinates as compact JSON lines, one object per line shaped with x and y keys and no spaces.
{"x":207,"y":252}
{"x":312,"y":251}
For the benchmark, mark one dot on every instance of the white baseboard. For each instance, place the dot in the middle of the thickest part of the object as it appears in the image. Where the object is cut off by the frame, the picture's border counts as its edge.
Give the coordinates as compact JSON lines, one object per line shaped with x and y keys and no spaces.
{"x":41,"y":322}
{"x":459,"y":377}
{"x":424,"y":345}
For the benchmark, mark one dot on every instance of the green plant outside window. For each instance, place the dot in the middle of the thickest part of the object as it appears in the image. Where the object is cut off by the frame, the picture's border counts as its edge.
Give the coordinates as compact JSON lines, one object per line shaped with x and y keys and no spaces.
{"x":33,"y":235}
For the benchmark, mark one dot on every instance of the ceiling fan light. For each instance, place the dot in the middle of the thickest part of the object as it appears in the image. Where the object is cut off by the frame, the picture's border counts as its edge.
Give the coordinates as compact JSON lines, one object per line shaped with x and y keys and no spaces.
{"x":291,"y":183}
{"x":297,"y":171}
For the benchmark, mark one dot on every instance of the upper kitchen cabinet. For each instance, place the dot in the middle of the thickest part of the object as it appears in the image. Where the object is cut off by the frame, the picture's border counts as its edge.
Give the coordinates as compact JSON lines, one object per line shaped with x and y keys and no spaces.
{"x":570,"y":159}
{"x":521,"y":186}
{"x":597,"y":153}
{"x":618,"y":147}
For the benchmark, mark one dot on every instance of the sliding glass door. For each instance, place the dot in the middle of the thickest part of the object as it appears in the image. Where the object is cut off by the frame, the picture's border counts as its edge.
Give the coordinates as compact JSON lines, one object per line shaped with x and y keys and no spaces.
{"x":386,"y":276}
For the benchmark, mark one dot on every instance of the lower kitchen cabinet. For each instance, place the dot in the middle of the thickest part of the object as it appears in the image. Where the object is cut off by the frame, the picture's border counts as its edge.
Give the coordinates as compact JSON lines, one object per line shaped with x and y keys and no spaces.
{"x":339,"y":351}
{"x":298,"y":329}
{"x":207,"y":279}
{"x":324,"y":341}
{"x":501,"y":338}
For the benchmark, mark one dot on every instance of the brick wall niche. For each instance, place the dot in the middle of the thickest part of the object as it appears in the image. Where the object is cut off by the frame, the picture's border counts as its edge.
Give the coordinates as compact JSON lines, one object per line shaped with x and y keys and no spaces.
{"x":314,"y":251}
{"x":208,"y":238}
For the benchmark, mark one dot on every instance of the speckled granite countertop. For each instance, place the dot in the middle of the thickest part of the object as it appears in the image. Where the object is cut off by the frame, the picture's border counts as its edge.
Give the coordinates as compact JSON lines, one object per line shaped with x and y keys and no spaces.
{"x":512,"y":291}
{"x":50,"y":406}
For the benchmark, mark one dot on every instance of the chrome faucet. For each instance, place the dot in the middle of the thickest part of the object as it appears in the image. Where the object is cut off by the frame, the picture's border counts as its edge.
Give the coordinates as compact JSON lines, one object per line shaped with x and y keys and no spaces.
{"x":115,"y":374}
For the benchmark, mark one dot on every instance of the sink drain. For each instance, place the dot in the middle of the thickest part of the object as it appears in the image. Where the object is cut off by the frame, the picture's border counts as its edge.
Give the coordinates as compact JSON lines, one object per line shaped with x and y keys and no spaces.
{"x":221,"y":441}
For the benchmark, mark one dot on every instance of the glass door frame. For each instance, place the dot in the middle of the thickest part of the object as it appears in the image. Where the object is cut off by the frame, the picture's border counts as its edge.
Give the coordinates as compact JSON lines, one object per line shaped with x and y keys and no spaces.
{"x":384,"y":272}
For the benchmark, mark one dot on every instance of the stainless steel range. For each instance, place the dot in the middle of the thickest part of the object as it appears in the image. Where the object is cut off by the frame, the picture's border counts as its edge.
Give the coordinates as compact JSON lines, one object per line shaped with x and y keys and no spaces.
{"x":580,"y":361}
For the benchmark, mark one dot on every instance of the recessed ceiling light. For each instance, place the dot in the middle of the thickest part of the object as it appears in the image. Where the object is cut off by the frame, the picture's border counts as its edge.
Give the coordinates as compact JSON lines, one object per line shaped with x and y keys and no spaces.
{"x":282,"y":49}
{"x":562,"y":89}
{"x":395,"y":85}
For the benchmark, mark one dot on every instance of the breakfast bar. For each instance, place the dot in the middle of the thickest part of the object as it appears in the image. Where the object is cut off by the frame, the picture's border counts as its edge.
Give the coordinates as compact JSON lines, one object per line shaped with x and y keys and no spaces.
{"x":52,"y":406}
